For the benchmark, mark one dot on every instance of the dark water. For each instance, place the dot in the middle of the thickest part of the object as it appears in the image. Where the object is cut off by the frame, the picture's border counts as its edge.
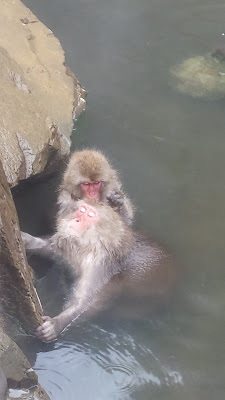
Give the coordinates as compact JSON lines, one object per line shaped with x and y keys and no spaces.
{"x":170,"y":151}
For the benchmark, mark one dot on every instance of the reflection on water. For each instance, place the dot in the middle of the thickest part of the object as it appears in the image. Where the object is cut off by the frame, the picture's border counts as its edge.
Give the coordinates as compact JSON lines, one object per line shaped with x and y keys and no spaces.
{"x":103,"y":364}
{"x":170,"y":151}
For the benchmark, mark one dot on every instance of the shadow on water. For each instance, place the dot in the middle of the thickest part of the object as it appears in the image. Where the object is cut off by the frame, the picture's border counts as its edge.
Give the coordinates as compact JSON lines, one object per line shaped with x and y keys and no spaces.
{"x":169,"y":149}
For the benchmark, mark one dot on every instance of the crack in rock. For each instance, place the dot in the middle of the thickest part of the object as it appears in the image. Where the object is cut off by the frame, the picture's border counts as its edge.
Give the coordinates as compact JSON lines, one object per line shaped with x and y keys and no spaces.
{"x":28,"y":154}
{"x":16,"y":78}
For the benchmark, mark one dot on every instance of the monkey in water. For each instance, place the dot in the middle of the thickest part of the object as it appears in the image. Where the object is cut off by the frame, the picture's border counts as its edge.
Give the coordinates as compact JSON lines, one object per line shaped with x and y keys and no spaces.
{"x":89,"y":175}
{"x":105,"y":252}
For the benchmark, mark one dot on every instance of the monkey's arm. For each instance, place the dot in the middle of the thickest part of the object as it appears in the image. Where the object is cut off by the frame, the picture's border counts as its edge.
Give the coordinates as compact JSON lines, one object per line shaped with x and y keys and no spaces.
{"x":32,"y":243}
{"x":122,"y":205}
{"x":85,"y":296}
{"x":52,"y":327}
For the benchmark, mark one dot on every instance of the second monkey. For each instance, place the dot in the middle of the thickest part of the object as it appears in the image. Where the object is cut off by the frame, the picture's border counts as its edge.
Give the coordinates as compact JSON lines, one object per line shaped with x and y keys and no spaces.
{"x":90,"y":175}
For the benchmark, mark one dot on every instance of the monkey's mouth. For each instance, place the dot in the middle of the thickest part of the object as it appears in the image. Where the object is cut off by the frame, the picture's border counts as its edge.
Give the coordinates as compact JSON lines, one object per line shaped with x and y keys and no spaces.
{"x":94,"y":195}
{"x":74,"y":227}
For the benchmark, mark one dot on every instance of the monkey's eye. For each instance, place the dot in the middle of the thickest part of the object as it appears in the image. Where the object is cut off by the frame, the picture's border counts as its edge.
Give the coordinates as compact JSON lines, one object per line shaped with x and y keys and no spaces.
{"x":97,"y":185}
{"x":85,"y":183}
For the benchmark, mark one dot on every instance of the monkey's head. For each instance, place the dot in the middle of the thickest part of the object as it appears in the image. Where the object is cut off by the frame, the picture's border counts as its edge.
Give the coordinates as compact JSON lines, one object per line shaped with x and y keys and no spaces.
{"x":96,"y":226}
{"x":89,"y":175}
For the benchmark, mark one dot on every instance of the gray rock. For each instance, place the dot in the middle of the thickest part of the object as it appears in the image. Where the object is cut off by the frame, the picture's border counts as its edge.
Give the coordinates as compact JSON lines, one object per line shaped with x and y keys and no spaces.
{"x":3,"y":384}
{"x":21,"y":378}
{"x":18,"y":296}
{"x":201,"y":77}
{"x":39,"y":95}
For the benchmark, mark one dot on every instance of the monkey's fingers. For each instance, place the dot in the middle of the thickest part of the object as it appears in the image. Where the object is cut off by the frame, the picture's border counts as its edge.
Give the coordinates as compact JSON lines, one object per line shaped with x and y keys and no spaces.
{"x":43,"y":328}
{"x":47,"y":337}
{"x":46,"y":331}
{"x":46,"y":318}
{"x":116,"y":198}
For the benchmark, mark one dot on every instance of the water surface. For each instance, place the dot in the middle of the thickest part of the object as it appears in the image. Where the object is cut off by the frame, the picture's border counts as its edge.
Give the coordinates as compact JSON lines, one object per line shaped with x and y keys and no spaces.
{"x":169,"y":149}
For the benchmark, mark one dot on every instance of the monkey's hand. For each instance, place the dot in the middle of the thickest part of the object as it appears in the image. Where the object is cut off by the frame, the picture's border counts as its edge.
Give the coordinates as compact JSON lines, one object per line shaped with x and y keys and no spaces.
{"x":115,"y":199}
{"x":49,"y":330}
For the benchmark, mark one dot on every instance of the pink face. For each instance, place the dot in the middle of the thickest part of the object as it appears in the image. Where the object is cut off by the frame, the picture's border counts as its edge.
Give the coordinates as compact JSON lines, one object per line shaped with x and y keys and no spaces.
{"x":84,"y":217}
{"x":91,"y":190}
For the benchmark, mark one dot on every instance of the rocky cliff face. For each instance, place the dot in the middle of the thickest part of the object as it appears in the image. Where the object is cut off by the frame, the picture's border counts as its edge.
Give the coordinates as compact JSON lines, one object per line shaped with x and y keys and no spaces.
{"x":39,"y":95}
{"x":18,"y":296}
{"x":19,"y":299}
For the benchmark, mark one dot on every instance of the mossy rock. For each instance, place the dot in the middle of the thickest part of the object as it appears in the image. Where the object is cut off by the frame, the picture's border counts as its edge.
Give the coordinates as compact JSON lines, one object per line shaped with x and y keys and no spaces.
{"x":201,"y":76}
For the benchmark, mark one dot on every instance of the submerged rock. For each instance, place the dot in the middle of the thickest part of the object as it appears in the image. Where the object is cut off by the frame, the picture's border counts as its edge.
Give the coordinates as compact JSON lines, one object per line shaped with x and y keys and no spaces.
{"x":39,"y":95}
{"x":22,"y":381}
{"x":201,"y":76}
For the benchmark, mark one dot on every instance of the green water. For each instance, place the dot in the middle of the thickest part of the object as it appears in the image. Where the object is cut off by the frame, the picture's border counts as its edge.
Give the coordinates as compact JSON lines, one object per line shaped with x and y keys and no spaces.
{"x":169,"y":149}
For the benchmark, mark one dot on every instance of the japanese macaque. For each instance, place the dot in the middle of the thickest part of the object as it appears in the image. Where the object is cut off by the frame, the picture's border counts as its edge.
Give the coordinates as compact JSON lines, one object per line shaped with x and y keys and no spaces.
{"x":89,"y":175}
{"x":104,"y":252}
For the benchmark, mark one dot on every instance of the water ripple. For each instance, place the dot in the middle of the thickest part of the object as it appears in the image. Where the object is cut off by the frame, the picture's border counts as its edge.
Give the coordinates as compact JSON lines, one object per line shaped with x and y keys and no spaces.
{"x":123,"y":376}
{"x":103,"y":365}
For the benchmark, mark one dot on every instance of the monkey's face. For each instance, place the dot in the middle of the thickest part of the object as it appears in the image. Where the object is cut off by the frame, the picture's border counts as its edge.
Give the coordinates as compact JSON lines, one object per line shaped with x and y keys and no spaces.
{"x":84,"y":217}
{"x":91,"y":190}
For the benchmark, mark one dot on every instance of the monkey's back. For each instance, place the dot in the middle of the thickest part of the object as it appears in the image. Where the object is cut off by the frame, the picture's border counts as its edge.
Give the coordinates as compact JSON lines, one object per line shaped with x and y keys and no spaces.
{"x":149,"y":269}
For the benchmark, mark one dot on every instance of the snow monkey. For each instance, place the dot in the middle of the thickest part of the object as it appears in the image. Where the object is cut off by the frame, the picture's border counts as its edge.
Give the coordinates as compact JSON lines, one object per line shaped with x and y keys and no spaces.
{"x":89,"y":175}
{"x":103,"y":250}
